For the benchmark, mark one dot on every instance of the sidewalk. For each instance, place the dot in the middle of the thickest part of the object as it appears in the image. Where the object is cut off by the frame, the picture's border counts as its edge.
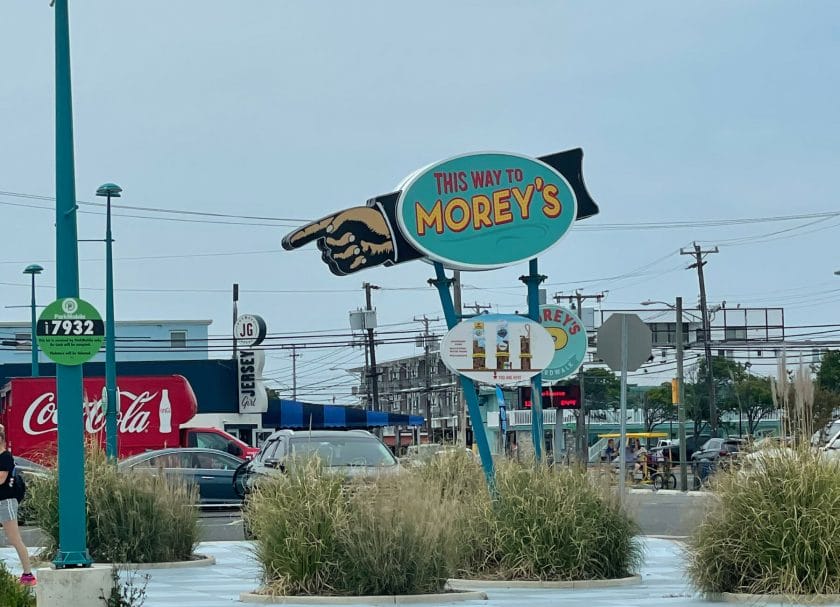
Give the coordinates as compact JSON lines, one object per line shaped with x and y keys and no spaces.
{"x":663,"y":582}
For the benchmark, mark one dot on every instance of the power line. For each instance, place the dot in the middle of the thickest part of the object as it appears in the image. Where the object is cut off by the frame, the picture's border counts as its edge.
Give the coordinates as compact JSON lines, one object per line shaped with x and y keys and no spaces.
{"x":591,"y":227}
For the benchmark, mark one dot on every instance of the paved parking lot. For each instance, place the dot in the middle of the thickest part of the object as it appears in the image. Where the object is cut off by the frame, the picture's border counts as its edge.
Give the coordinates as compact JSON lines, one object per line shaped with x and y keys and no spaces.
{"x":663,"y":582}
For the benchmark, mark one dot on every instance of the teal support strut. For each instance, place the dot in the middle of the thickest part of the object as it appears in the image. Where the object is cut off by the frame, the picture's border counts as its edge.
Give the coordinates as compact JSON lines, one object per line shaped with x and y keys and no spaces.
{"x":533,"y":281}
{"x":72,"y":521}
{"x":479,"y":433}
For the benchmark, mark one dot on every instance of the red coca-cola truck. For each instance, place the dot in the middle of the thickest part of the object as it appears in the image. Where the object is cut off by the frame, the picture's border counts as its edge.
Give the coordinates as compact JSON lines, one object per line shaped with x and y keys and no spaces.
{"x":152,"y":412}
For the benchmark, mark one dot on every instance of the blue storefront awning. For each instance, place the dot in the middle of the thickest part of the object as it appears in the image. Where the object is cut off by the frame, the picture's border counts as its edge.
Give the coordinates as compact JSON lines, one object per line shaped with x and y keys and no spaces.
{"x":295,"y":414}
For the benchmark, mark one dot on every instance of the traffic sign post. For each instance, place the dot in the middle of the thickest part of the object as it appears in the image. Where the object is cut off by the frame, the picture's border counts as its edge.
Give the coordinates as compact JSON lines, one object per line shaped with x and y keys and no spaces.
{"x":624,"y":343}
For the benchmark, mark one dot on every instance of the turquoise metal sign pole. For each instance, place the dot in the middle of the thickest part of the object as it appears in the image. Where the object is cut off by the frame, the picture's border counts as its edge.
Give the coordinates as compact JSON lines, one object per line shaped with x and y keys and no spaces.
{"x":533,"y":281}
{"x":72,"y":523}
{"x":467,"y":385}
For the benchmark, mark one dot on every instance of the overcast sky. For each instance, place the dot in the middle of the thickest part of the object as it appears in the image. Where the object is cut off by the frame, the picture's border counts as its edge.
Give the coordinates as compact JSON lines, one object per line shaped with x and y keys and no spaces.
{"x":687,"y":112}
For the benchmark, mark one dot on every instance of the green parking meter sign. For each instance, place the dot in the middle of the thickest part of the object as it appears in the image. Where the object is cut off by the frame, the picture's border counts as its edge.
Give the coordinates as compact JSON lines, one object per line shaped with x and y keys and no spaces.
{"x":70,"y":331}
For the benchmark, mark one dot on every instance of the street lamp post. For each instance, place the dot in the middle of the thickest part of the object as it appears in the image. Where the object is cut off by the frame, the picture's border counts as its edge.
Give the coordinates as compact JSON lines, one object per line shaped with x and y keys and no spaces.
{"x":32,"y":270}
{"x":110,"y":190}
{"x":680,"y":388}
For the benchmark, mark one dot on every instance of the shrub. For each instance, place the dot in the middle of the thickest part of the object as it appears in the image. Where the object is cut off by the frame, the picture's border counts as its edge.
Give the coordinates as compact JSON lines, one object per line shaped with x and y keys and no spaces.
{"x":773,"y":529}
{"x":297,"y":519}
{"x":548,"y":524}
{"x":317,"y":534}
{"x":408,"y":533}
{"x":131,"y":517}
{"x":12,"y":594}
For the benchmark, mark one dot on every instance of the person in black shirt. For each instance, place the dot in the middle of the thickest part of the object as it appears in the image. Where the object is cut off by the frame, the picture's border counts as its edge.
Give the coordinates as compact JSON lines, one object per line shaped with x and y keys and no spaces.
{"x":609,"y":452}
{"x":9,"y":511}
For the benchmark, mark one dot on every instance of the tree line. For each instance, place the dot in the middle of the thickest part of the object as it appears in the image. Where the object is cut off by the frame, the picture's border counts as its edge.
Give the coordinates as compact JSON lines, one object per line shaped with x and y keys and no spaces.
{"x":739,"y":393}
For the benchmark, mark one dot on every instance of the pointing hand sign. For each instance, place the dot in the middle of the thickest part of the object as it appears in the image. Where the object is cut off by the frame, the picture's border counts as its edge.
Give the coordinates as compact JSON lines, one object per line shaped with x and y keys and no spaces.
{"x":443,"y":216}
{"x":349,"y":240}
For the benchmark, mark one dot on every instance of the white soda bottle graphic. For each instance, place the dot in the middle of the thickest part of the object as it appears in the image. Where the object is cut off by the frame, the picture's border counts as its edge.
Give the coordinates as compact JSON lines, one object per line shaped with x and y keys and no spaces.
{"x":165,"y":412}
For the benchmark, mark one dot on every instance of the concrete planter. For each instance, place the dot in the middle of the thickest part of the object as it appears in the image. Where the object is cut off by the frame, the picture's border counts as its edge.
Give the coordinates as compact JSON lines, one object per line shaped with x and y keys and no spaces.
{"x":465,"y":584}
{"x":399,"y":599}
{"x":199,"y":560}
{"x":763,"y":599}
{"x":80,"y":587}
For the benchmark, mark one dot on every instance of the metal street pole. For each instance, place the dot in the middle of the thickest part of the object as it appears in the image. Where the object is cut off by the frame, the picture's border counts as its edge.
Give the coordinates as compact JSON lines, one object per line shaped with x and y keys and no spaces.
{"x":533,"y":280}
{"x":72,"y":520}
{"x":623,"y":432}
{"x":110,"y":190}
{"x":32,"y":270}
{"x":681,"y":398}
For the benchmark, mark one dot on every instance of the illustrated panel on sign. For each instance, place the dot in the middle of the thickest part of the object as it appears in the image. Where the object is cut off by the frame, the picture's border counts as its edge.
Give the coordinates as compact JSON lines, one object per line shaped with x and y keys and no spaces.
{"x":497,"y":348}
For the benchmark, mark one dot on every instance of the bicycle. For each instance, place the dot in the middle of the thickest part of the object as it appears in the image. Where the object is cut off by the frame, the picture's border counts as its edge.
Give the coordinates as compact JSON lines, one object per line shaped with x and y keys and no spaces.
{"x":664,"y":478}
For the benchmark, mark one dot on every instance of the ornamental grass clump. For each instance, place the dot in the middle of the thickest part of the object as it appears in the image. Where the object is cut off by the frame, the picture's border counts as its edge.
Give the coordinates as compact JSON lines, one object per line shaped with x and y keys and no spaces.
{"x":773,"y":529}
{"x":549,"y":524}
{"x":318,"y":534}
{"x":399,"y":539}
{"x":296,"y":520}
{"x":12,"y":593}
{"x":132,"y":517}
{"x":775,"y":523}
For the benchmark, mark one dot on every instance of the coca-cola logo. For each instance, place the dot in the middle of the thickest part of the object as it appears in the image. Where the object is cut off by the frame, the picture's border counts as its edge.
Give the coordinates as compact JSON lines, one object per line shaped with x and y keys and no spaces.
{"x":41,"y":416}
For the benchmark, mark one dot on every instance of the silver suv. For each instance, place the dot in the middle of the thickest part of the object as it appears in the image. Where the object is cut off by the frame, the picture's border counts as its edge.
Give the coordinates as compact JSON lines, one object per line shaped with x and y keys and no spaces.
{"x":351,"y":453}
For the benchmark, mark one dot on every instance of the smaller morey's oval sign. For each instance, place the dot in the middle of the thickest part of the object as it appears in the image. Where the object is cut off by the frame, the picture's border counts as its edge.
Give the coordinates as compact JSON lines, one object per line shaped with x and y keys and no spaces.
{"x":486,"y":210}
{"x":497,"y":348}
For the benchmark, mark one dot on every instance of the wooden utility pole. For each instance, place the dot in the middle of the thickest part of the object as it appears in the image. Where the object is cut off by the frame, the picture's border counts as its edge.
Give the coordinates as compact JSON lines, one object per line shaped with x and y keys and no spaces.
{"x":477,"y":307}
{"x":427,"y":392}
{"x":697,"y":253}
{"x":374,"y":375}
{"x":294,"y":355}
{"x":459,"y":402}
{"x":456,"y":292}
{"x":581,"y":442}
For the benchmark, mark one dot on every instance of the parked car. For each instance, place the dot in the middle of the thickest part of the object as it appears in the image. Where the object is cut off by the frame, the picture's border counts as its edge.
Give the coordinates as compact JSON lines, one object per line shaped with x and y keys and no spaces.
{"x":418,"y":456}
{"x":832,"y":447}
{"x":31,"y":473}
{"x":671,"y":451}
{"x":212,"y":470}
{"x":352,"y":453}
{"x":716,"y":448}
{"x":29,"y":468}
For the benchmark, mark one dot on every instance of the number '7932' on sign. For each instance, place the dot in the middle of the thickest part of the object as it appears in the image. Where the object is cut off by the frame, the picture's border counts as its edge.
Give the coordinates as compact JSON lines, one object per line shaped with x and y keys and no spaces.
{"x":70,"y":327}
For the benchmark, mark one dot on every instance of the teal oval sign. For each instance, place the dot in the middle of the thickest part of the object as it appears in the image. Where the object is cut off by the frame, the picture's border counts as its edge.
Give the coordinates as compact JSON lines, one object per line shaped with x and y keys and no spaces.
{"x":570,"y":341}
{"x":486,"y":210}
